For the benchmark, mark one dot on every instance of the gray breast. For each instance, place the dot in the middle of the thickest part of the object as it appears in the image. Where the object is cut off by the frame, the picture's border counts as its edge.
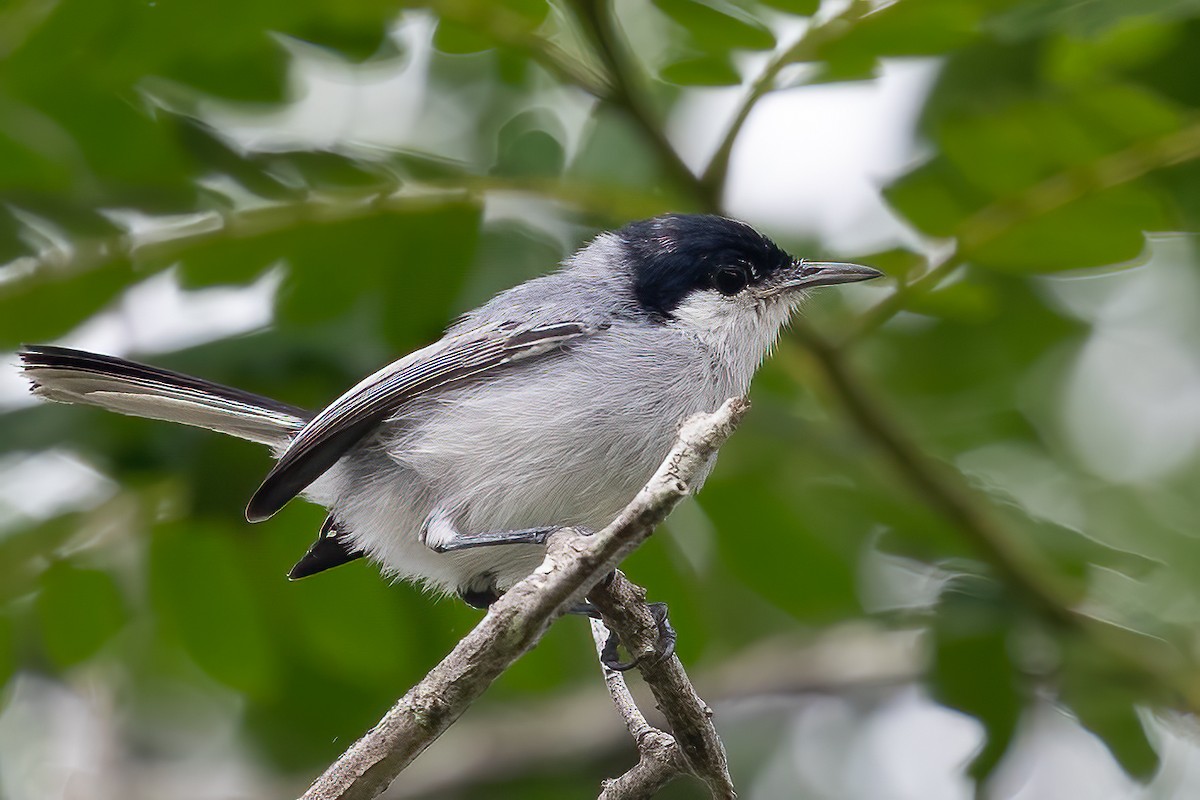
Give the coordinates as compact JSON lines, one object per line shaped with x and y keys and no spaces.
{"x":566,"y":440}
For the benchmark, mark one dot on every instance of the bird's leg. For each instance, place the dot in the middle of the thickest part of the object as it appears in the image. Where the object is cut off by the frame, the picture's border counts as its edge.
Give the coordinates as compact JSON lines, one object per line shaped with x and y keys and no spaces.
{"x":585,"y":609}
{"x":466,"y":542}
{"x":441,"y":535}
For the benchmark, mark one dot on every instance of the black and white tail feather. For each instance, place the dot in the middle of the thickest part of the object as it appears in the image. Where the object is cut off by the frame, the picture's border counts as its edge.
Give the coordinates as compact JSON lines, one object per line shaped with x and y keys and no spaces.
{"x":76,"y":376}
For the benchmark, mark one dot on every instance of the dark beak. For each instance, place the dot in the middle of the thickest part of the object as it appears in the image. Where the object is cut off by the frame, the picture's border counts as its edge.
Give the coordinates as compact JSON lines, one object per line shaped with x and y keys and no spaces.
{"x":810,"y":274}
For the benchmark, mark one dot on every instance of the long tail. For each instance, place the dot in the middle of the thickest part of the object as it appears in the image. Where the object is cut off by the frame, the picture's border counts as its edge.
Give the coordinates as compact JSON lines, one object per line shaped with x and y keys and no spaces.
{"x":76,"y":376}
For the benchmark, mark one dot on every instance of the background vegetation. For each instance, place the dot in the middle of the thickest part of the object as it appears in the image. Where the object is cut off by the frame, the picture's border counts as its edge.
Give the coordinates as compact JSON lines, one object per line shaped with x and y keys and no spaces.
{"x":971,"y":489}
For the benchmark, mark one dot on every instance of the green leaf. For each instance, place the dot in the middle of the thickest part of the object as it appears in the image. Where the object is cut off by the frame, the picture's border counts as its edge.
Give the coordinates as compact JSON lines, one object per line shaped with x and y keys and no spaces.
{"x":1086,"y":19}
{"x":897,"y":262}
{"x":1120,"y":728}
{"x":803,"y":8}
{"x":458,"y":39}
{"x":1183,"y":184}
{"x":79,"y":610}
{"x":223,"y":47}
{"x":1006,"y":152}
{"x":1012,"y":146}
{"x":1095,"y":230}
{"x":75,"y":224}
{"x":104,"y":137}
{"x":1091,"y":228}
{"x":766,"y":484}
{"x":368,"y":645}
{"x":251,"y":172}
{"x":8,"y":650}
{"x":1175,"y":61}
{"x":527,"y":148}
{"x":531,"y":12}
{"x":963,"y":301}
{"x":1104,"y":695}
{"x":333,"y":172}
{"x":202,"y":592}
{"x":48,"y":304}
{"x":257,"y":75}
{"x":614,"y":154}
{"x":354,"y":37}
{"x":974,"y":404}
{"x":701,"y":71}
{"x":24,"y":165}
{"x":718,"y":27}
{"x":12,"y":245}
{"x":419,"y":254}
{"x":972,"y":668}
{"x":935,"y":198}
{"x":1129,"y":113}
{"x":22,"y":551}
{"x":929,"y":27}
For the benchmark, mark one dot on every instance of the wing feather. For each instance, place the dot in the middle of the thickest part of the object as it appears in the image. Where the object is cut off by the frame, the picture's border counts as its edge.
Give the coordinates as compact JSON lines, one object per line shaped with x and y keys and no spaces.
{"x":345,"y":422}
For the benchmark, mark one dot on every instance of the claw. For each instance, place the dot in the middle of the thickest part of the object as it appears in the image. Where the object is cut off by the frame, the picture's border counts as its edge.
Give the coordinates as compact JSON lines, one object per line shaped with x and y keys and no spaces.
{"x":667,"y":635}
{"x":663,"y":648}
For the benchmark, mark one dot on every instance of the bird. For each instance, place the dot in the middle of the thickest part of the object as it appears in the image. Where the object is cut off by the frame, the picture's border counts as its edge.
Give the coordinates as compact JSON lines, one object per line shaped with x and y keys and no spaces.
{"x":547,"y":407}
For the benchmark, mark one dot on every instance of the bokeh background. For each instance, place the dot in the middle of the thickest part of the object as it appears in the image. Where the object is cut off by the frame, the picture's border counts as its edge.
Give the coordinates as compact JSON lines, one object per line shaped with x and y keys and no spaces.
{"x":953,"y":550}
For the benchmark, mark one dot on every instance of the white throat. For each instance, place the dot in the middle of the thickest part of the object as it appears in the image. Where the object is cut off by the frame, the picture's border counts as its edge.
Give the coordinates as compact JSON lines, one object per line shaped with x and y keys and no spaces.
{"x":739,"y":330}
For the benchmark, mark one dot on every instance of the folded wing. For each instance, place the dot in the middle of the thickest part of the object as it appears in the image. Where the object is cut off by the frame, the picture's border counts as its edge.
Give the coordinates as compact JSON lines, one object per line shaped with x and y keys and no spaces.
{"x":345,"y":422}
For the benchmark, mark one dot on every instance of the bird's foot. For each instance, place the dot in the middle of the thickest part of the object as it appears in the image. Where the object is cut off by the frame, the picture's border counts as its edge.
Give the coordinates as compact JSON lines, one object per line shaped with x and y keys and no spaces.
{"x":663,"y":648}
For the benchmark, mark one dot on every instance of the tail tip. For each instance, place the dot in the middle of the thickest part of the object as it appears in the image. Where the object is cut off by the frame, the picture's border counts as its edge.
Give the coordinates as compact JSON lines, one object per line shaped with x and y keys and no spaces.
{"x":258,"y":510}
{"x":27,"y":355}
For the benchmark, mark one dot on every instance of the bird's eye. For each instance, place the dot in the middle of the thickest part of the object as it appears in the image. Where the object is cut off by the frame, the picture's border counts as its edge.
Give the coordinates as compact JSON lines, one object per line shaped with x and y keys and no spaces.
{"x":730,"y":280}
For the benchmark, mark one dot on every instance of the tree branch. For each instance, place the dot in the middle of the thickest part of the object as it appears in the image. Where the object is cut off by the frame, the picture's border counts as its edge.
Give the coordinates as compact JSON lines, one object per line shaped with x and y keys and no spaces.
{"x":659,"y":765}
{"x":856,"y":660}
{"x":1021,"y":566}
{"x":517,"y":621}
{"x":938,"y":487}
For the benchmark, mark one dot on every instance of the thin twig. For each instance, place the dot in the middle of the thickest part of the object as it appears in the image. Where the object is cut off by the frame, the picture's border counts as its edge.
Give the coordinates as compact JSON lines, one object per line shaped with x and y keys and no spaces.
{"x":597,"y":21}
{"x":659,"y":759}
{"x":631,"y":715}
{"x":315,"y":208}
{"x":998,"y":219}
{"x":623,"y":606}
{"x":875,"y":316}
{"x":505,"y":27}
{"x":659,"y":765}
{"x":803,"y":49}
{"x":517,"y":621}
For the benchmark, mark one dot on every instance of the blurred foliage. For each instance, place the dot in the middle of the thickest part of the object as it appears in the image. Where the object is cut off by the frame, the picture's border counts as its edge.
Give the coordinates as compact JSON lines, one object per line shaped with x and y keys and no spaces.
{"x":929,"y":429}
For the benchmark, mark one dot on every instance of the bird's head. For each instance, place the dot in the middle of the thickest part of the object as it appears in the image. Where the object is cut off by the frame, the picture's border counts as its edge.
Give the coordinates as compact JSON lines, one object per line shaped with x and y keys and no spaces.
{"x":682,"y":259}
{"x":722,"y":281}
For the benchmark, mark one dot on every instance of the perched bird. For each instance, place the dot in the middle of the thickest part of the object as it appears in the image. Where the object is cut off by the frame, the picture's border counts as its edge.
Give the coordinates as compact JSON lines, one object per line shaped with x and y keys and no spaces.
{"x":549,"y":406}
